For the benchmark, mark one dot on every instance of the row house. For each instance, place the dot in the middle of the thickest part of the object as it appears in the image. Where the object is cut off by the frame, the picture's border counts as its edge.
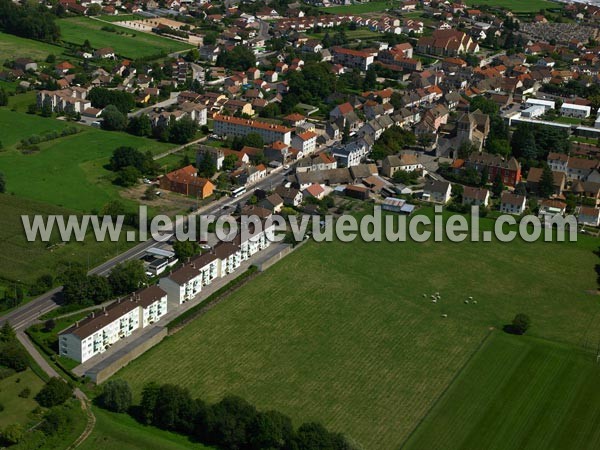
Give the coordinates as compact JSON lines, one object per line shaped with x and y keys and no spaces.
{"x":508,"y":170}
{"x":449,"y":42}
{"x":100,"y":330}
{"x":322,"y":161}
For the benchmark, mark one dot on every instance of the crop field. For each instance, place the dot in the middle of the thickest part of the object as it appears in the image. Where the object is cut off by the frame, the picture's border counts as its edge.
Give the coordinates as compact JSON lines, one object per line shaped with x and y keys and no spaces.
{"x":126,"y":43}
{"x":517,"y":6}
{"x":347,"y":334}
{"x":25,"y":261}
{"x":17,"y":47}
{"x":68,"y":172}
{"x":518,"y":393}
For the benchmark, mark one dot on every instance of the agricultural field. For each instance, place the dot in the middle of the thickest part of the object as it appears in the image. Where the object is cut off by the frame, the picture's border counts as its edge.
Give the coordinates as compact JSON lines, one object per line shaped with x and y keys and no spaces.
{"x":517,"y":6}
{"x":26,"y":48}
{"x":18,"y":409}
{"x":553,"y":388}
{"x":346,"y":334}
{"x":126,"y":43}
{"x":67,"y":172}
{"x":361,"y":8}
{"x":123,"y":432}
{"x":23,"y":261}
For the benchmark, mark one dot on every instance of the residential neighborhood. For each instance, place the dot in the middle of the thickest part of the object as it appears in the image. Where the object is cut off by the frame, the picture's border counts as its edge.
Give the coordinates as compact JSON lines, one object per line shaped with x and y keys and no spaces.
{"x":178,"y":178}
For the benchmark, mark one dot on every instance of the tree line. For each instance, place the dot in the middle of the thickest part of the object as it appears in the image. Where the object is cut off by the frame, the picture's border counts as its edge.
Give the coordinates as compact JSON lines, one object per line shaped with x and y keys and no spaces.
{"x":232,"y":423}
{"x":29,"y":20}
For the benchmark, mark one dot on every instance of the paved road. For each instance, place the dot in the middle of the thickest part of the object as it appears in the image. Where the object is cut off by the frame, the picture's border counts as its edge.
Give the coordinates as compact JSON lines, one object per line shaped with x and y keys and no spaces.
{"x":164,"y":104}
{"x":24,"y":316}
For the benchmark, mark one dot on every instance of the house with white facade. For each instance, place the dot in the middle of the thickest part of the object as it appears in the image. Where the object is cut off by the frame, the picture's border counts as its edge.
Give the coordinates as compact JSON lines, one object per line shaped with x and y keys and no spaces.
{"x":475,"y":196}
{"x":558,"y":162}
{"x":437,"y":191}
{"x":512,"y":203}
{"x":101,"y":329}
{"x":587,"y":215}
{"x":208,"y":266}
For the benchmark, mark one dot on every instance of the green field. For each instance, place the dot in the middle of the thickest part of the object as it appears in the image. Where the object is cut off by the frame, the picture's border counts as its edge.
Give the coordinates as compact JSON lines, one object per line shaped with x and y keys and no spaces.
{"x":68,"y":171}
{"x":25,"y":261}
{"x":360,"y":8}
{"x":342,"y":333}
{"x":518,"y":393}
{"x":12,"y":47}
{"x":517,"y":6}
{"x":121,"y":432}
{"x":127,"y":43}
{"x":17,"y":409}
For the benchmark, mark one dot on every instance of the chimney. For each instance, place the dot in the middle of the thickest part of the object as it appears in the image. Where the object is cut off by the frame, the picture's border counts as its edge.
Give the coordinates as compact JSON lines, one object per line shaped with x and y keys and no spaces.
{"x":93,"y":314}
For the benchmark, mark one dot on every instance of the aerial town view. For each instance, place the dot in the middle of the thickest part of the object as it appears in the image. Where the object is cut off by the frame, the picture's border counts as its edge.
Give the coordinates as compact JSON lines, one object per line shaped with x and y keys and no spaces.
{"x":299,"y":224}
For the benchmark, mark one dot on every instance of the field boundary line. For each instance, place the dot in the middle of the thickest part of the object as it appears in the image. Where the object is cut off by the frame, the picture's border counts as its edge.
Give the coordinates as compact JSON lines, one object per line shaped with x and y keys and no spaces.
{"x":447,"y":388}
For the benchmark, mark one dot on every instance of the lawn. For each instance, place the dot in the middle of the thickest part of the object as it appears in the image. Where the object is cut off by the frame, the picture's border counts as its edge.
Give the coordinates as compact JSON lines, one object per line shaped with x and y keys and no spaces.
{"x":126,"y":43}
{"x":342,"y":333}
{"x":123,"y":432}
{"x":16,"y":47}
{"x":517,"y":6}
{"x":360,"y":33}
{"x":361,"y":8}
{"x":569,"y":120}
{"x":68,"y":172}
{"x":18,"y":409}
{"x":518,"y":393}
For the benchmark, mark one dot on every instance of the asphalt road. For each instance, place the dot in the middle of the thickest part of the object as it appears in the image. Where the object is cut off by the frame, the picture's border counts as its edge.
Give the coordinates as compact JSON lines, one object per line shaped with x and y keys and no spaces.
{"x":24,"y":316}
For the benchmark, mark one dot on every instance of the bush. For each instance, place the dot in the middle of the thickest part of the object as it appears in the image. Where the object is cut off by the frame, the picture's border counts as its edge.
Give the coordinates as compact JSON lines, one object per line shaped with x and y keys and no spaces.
{"x":6,"y":372}
{"x":520,"y":324}
{"x":25,"y":393}
{"x":116,"y":396}
{"x":54,"y":393}
{"x":13,"y":356}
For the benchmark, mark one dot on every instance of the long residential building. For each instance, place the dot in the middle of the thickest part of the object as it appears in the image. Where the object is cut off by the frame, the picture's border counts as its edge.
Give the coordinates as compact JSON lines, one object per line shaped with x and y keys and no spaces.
{"x":97,"y":332}
{"x":235,"y":126}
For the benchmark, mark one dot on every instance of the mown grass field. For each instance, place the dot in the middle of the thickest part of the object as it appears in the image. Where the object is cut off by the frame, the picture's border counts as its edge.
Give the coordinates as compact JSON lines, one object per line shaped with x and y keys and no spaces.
{"x":518,"y":393}
{"x":123,"y":432}
{"x":342,"y":333}
{"x":126,"y":43}
{"x":12,"y":47}
{"x":67,"y":172}
{"x":18,"y":409}
{"x":517,"y":6}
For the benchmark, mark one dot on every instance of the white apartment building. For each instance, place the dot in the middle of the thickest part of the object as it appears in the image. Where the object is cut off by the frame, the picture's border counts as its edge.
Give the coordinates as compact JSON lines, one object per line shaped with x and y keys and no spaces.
{"x":208,"y":265}
{"x":182,"y":285}
{"x":97,"y":332}
{"x":71,"y":100}
{"x":547,"y":104}
{"x":235,"y":126}
{"x":229,"y":257}
{"x":305,"y":142}
{"x":573,"y":110}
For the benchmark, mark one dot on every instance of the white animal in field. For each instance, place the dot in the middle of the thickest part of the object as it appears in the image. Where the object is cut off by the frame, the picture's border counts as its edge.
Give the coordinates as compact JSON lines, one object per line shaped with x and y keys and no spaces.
{"x":434,"y":300}
{"x":444,"y":315}
{"x":467,"y":302}
{"x":474,"y":302}
{"x":424,"y":295}
{"x":470,"y":298}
